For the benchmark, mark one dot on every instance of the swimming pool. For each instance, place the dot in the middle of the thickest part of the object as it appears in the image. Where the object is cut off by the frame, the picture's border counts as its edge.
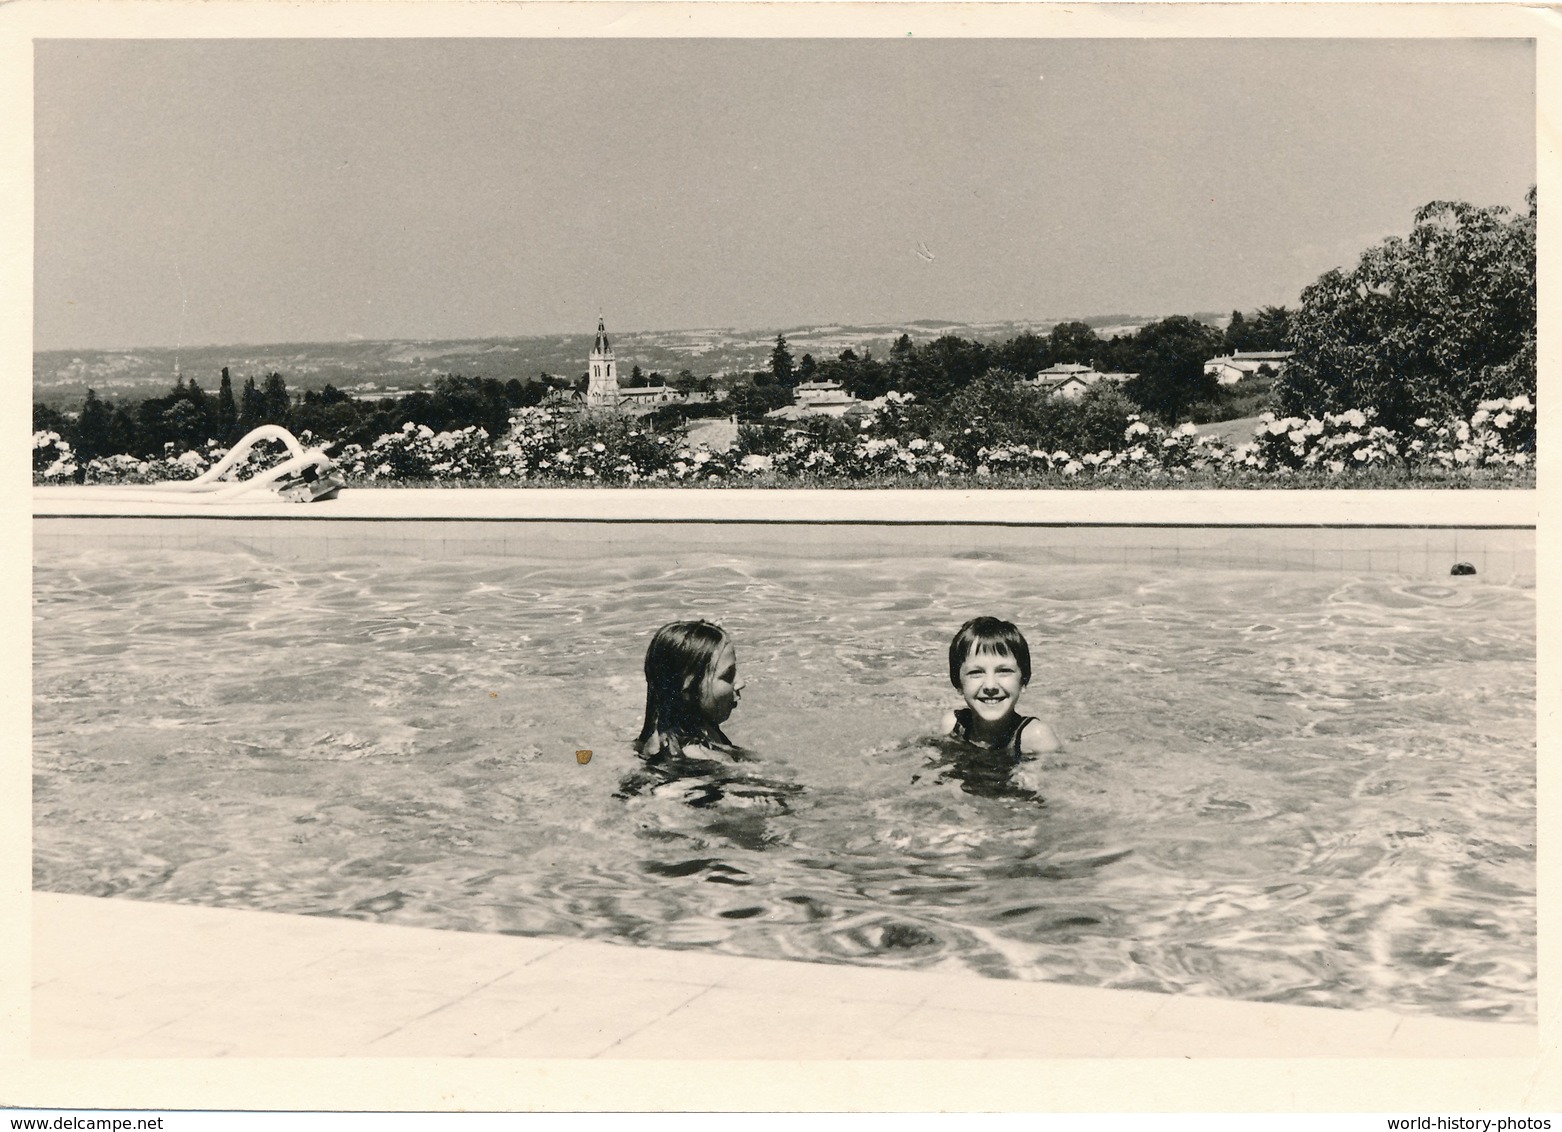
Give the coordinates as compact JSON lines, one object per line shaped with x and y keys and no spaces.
{"x":1302,"y":786}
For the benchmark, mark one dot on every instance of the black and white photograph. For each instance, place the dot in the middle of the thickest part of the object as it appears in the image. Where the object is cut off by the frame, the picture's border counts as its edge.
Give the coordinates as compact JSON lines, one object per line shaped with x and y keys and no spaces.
{"x":869,"y":540}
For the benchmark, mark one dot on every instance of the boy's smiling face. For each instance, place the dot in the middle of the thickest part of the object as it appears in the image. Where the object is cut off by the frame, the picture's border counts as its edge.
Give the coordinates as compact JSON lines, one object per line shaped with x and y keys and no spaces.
{"x":991,"y":684}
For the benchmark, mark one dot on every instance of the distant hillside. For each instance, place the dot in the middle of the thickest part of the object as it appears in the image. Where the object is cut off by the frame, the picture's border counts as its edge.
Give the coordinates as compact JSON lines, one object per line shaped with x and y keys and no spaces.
{"x":61,"y":377}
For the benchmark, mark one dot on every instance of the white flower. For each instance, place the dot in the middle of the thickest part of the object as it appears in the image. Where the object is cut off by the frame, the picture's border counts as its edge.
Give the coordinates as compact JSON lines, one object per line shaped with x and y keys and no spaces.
{"x":1480,"y":417}
{"x":1423,"y":422}
{"x":1355,"y":418}
{"x":1503,"y":419}
{"x":1520,"y":402}
{"x":1138,"y":428}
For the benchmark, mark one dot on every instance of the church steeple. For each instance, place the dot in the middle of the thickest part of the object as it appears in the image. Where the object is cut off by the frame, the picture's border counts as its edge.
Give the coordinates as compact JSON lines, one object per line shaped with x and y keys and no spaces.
{"x":602,"y":376}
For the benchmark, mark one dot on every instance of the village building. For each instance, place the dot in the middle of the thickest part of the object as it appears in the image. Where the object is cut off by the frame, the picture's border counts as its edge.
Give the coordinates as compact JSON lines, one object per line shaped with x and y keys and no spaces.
{"x":1071,"y":380}
{"x":602,"y":390}
{"x":1232,"y":368}
{"x":817,"y":399}
{"x":647,"y":396}
{"x":562,"y":399}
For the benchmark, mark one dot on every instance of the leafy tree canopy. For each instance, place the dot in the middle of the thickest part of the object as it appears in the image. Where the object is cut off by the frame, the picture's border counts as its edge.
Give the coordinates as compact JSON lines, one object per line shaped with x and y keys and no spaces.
{"x":1424,"y":325}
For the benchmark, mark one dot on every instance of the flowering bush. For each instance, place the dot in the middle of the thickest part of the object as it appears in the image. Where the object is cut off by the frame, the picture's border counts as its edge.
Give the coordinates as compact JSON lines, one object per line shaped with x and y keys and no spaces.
{"x":418,"y":452}
{"x":544,"y":446}
{"x":54,"y":462}
{"x":1498,"y":433}
{"x":53,"y":459}
{"x":1332,"y":443}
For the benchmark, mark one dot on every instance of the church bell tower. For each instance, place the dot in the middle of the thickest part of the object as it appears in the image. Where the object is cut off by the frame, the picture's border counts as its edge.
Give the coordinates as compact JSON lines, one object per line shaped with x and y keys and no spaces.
{"x":602,"y":377}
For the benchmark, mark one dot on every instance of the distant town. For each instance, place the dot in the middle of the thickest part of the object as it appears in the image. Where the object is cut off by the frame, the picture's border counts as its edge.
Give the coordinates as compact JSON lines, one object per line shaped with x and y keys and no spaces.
{"x":378,"y":370}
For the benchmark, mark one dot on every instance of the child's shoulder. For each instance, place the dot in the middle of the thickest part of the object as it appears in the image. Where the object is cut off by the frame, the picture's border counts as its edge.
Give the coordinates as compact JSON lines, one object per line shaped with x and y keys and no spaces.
{"x":950,"y":721}
{"x":1038,"y":738}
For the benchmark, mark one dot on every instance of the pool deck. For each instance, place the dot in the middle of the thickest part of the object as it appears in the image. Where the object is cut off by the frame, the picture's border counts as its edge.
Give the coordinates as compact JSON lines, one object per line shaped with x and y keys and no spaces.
{"x":116,"y":978}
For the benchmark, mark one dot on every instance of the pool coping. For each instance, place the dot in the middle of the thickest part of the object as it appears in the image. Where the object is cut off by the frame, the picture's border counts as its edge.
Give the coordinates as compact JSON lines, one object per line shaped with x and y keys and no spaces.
{"x":119,"y":978}
{"x":1472,"y":509}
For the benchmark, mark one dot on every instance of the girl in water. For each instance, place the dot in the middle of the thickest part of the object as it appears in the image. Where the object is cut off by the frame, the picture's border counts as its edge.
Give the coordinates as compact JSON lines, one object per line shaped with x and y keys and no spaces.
{"x":691,"y":688}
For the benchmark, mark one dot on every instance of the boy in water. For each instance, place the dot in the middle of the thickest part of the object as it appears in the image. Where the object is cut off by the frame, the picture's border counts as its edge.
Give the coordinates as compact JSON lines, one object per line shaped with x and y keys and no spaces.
{"x":989,"y":663}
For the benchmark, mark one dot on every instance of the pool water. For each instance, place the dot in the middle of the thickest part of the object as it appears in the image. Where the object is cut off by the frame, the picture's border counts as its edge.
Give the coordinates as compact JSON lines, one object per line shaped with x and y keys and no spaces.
{"x":1302,"y":788}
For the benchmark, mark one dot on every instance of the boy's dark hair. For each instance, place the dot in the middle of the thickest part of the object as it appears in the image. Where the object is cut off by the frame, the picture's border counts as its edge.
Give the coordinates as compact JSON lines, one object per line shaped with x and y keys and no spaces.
{"x":988,"y":634}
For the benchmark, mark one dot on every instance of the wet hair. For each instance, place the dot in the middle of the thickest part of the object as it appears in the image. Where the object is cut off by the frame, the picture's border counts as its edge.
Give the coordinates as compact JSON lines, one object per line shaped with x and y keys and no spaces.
{"x":678,"y":663}
{"x":988,"y":634}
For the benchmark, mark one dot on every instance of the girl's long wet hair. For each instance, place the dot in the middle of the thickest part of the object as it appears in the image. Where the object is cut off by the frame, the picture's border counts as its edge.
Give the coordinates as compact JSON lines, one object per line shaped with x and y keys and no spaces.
{"x":678,"y":662}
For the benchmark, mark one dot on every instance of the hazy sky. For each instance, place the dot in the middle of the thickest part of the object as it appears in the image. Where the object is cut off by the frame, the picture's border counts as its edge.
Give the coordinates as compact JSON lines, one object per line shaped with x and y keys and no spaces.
{"x":233,"y":191}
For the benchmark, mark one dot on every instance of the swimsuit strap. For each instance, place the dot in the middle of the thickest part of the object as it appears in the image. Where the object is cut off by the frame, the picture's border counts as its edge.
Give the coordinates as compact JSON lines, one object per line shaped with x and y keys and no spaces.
{"x":1012,"y":746}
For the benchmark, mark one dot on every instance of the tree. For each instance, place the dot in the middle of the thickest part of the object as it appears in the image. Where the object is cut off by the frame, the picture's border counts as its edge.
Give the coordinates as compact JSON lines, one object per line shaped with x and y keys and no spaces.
{"x":1026,"y":353}
{"x":751,"y":400}
{"x":225,"y":417}
{"x":636,"y":378}
{"x":1072,"y":343}
{"x":1425,"y":325}
{"x":252,"y":406}
{"x":1265,"y":330}
{"x":1168,"y":357}
{"x":94,"y":428}
{"x":781,"y":369}
{"x":943,"y":367}
{"x":276,"y":405}
{"x":184,"y":425}
{"x":807,"y":369}
{"x":1236,"y":333}
{"x":46,"y":418}
{"x":1269,"y":328}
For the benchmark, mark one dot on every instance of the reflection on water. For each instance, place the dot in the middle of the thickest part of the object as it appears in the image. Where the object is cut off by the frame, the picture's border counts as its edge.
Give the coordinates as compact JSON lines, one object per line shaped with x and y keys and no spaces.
{"x":1286,"y":787}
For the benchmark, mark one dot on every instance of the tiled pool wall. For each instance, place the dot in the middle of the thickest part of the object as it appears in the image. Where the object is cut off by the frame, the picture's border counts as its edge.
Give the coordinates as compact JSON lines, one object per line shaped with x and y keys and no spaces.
{"x":1504,"y":553}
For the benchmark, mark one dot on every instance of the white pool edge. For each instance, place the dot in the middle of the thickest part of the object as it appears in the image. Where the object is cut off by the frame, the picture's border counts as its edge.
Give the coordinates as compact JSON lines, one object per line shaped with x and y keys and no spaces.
{"x":1475,"y":508}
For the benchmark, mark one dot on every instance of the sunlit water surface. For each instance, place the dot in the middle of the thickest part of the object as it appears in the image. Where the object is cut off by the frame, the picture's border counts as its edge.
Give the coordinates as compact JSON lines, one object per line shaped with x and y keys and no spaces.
{"x":1286,"y":787}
